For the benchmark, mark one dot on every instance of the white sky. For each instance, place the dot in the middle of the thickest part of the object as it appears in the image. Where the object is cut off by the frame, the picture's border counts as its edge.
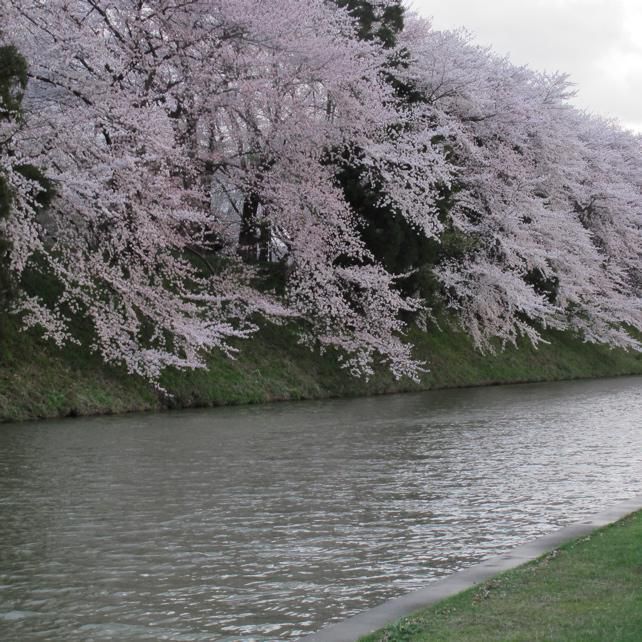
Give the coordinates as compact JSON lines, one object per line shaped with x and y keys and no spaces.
{"x":597,"y":42}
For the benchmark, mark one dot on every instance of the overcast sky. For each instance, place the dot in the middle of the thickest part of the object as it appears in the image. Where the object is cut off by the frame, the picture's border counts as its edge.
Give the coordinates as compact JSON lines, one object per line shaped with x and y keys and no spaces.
{"x":597,"y":42}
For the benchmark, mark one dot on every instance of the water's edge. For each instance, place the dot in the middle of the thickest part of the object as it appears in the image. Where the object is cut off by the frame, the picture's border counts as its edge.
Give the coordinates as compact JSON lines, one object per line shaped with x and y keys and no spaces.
{"x":376,"y":618}
{"x":174,"y":405}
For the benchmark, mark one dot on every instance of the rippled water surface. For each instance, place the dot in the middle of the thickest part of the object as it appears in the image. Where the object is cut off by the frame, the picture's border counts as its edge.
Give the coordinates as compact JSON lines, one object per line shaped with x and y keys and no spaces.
{"x":269,"y":522}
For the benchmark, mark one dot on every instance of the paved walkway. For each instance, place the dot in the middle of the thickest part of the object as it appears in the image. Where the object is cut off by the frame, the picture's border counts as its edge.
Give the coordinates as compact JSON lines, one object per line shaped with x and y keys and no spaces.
{"x":352,"y":629}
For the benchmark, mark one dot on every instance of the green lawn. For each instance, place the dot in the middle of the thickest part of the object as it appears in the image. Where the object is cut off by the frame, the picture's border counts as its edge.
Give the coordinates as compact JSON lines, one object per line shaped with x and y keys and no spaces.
{"x":589,"y":590}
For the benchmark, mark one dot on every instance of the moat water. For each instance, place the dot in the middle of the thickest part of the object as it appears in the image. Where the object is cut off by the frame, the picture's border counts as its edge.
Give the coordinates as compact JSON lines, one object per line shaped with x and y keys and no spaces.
{"x":268,"y":522}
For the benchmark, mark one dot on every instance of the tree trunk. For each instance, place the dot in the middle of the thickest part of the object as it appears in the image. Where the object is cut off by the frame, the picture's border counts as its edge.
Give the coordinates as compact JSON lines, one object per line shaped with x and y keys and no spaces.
{"x":249,"y":233}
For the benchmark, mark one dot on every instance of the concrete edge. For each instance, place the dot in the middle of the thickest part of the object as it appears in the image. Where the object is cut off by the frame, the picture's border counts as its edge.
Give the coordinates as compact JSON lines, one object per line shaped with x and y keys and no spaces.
{"x":371,"y":620}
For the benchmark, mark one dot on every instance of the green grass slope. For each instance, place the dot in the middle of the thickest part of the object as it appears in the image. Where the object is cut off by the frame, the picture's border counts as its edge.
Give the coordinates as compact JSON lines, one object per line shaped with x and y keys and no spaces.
{"x":38,"y":380}
{"x":589,"y":590}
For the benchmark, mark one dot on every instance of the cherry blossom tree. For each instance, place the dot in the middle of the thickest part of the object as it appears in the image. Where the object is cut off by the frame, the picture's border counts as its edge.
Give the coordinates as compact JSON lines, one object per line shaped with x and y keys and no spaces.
{"x":13,"y":80}
{"x":191,"y":144}
{"x":158,"y":122}
{"x":19,"y":182}
{"x":550,"y":243}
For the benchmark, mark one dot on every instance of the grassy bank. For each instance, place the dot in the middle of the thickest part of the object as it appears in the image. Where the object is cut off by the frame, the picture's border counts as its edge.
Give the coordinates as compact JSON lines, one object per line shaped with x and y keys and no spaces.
{"x":38,"y":380}
{"x":589,"y":590}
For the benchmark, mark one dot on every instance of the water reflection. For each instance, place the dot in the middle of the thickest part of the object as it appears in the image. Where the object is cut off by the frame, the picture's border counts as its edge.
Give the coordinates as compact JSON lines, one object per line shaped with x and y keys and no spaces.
{"x":268,"y":522}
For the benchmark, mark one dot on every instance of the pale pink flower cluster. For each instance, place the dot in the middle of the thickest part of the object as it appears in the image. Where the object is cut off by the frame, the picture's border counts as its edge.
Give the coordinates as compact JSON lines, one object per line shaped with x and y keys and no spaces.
{"x":544,"y":189}
{"x":156,"y":120}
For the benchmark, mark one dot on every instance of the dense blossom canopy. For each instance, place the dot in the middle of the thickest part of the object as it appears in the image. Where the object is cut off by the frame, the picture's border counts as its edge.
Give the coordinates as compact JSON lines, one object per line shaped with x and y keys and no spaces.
{"x":192,"y":144}
{"x":550,"y":196}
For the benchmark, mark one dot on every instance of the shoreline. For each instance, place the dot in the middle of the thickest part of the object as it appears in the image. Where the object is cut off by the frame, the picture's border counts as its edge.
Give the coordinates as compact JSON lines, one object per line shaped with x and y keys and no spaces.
{"x":379,"y":617}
